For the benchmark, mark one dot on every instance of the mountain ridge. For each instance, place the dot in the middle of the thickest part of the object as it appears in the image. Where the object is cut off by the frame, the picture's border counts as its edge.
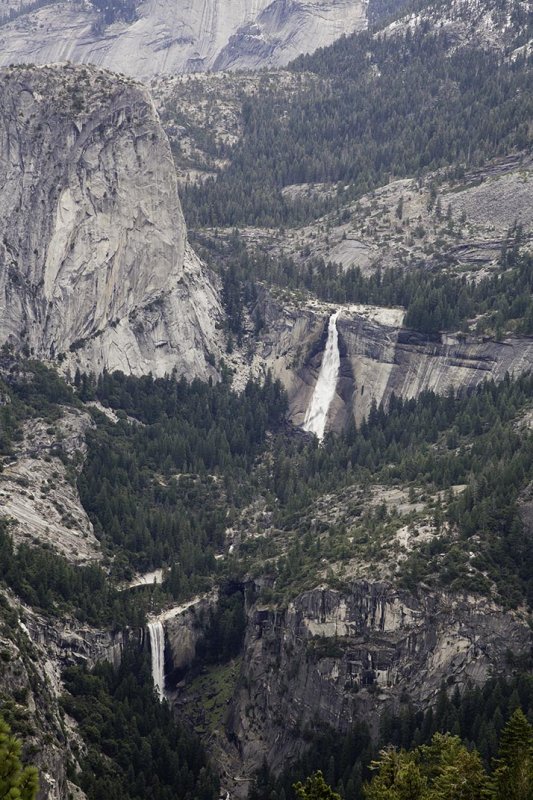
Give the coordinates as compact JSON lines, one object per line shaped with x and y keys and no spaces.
{"x":160,"y":39}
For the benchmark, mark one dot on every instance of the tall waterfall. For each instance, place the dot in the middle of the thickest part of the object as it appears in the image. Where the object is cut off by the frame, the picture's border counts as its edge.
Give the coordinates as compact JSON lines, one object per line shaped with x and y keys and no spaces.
{"x":317,"y":411}
{"x":157,"y":647}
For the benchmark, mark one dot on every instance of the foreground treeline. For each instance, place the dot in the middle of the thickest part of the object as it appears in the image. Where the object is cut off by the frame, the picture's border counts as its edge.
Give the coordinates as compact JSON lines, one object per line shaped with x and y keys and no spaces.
{"x":447,"y":770}
{"x":469,"y":747}
{"x":17,"y":780}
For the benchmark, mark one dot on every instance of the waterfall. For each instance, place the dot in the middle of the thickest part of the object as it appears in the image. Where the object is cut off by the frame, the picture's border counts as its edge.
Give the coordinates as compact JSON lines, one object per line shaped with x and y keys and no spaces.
{"x":317,"y":412}
{"x":157,"y":647}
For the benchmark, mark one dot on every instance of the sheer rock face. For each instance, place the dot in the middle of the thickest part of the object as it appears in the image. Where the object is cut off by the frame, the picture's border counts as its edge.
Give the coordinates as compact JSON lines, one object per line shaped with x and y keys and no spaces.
{"x":36,"y":495}
{"x":336,"y":657}
{"x":287,"y":28}
{"x":168,"y":37}
{"x":39,"y":648}
{"x":378,"y":357}
{"x":92,"y":238}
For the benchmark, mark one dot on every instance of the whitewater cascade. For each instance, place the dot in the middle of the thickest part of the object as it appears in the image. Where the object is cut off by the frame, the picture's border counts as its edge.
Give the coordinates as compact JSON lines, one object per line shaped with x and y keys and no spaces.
{"x":317,"y":411}
{"x":156,"y":633}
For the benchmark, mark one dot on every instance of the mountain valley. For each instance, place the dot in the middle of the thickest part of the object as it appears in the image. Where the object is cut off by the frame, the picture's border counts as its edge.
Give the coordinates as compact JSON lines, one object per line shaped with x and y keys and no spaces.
{"x":266,"y":336}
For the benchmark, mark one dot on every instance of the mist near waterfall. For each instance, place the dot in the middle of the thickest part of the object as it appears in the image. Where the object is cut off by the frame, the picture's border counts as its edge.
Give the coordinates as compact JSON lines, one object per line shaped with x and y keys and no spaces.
{"x":156,"y":633}
{"x":316,"y":415}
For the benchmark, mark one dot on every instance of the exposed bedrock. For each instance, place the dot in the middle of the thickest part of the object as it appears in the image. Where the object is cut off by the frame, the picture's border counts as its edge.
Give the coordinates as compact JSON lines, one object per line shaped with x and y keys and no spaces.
{"x":94,"y":263}
{"x":336,"y":657}
{"x":378,"y":357}
{"x":165,"y":37}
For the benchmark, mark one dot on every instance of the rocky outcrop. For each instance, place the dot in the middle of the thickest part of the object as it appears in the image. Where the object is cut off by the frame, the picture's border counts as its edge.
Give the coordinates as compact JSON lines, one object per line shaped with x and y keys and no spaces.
{"x":331,"y":658}
{"x":34,"y":651}
{"x":184,"y":627}
{"x":378,"y":357}
{"x":178,"y":331}
{"x":168,"y":38}
{"x":38,"y":497}
{"x":94,"y":267}
{"x":385,"y":360}
{"x":286,"y":28}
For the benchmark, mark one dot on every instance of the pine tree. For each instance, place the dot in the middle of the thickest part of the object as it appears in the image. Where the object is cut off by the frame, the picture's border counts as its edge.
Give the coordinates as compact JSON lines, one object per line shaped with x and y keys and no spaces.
{"x":397,"y":777}
{"x":513,"y":773}
{"x":16,"y":782}
{"x":315,"y":788}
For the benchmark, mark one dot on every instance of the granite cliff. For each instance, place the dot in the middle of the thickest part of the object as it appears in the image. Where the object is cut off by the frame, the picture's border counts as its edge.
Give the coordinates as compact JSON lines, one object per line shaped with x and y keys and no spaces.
{"x":333,"y":657}
{"x":163,"y":38}
{"x":378,"y":356}
{"x":94,"y":264}
{"x":35,"y":649}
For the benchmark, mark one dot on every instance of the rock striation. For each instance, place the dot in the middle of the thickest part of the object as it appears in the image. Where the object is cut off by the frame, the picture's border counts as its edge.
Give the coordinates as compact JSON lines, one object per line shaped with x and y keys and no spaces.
{"x":287,"y":28}
{"x":169,"y":38}
{"x":332,"y":657}
{"x":378,"y":357}
{"x":36,"y":494}
{"x":94,"y":264}
{"x":35,"y":650}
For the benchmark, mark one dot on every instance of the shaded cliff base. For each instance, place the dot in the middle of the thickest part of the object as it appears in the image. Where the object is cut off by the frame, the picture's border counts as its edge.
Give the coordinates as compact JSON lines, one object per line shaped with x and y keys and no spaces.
{"x":332,"y":658}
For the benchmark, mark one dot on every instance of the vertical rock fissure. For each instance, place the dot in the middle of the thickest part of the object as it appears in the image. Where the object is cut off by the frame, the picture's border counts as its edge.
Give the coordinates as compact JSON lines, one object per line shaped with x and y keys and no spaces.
{"x":316,"y":415}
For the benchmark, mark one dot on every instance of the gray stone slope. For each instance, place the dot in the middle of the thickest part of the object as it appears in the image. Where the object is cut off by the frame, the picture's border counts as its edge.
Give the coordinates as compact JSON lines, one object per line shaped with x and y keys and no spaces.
{"x":168,"y":37}
{"x":94,"y":267}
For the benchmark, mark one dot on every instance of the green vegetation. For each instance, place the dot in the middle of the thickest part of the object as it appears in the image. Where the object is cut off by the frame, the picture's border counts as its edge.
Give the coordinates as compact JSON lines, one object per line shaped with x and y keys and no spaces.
{"x":513,"y":776}
{"x":135,"y":748}
{"x":39,"y":575}
{"x":385,"y":106}
{"x":29,"y":390}
{"x":435,"y":299}
{"x":435,"y":442}
{"x":208,"y":696}
{"x":224,"y":630}
{"x":215,"y":671}
{"x":17,"y":782}
{"x":429,"y":748}
{"x":315,"y":788}
{"x":163,"y":489}
{"x":443,"y":769}
{"x":446,"y":770}
{"x":46,"y":580}
{"x":159,"y":492}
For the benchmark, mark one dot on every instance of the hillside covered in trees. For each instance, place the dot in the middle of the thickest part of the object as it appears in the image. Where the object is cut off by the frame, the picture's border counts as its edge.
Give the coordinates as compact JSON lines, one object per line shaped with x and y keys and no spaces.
{"x":386,"y":105}
{"x":476,"y":745}
{"x":201,"y":515}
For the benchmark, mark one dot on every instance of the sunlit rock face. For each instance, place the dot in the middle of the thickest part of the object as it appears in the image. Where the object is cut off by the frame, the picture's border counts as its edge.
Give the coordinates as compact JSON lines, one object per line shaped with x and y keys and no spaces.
{"x":168,"y":37}
{"x":94,"y":265}
{"x":378,"y":357}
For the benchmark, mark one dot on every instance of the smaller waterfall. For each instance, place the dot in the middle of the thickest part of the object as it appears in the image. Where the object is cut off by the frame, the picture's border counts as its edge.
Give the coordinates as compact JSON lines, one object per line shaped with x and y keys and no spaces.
{"x":156,"y":633}
{"x":317,"y":411}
